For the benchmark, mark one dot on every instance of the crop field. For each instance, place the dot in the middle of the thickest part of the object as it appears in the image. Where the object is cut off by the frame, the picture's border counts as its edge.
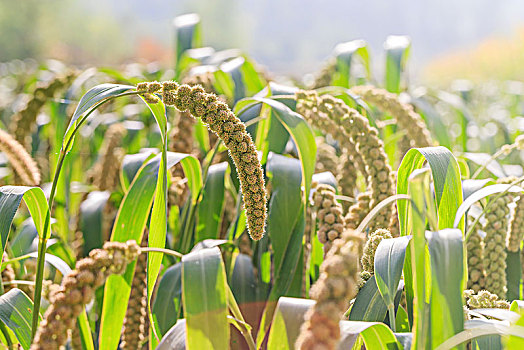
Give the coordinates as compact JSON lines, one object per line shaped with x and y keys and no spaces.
{"x":213,"y":205}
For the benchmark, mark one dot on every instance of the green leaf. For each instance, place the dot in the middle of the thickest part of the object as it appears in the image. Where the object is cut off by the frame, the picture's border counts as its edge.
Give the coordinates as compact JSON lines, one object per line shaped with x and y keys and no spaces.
{"x":516,"y":340}
{"x":446,"y":180}
{"x":517,"y":305}
{"x":34,"y":198}
{"x":204,"y":297}
{"x":285,"y":203}
{"x":233,"y":68}
{"x":130,"y":166}
{"x":243,"y":280}
{"x":288,"y":317}
{"x":471,"y":186}
{"x":89,"y":99}
{"x":85,"y":332}
{"x":224,"y":84}
{"x":168,"y":300}
{"x":16,"y":312}
{"x":369,"y":305}
{"x":254,"y":82}
{"x":416,"y":268}
{"x":402,"y":320}
{"x":433,"y":119}
{"x":55,"y":261}
{"x":513,"y":274}
{"x":187,"y":34}
{"x":344,"y":54}
{"x":129,"y":224}
{"x":389,"y":261}
{"x":375,"y":335}
{"x":175,"y":338}
{"x":284,"y":277}
{"x":446,"y":252}
{"x":480,"y":328}
{"x":397,"y":53}
{"x":91,"y":220}
{"x":301,"y":134}
{"x":212,"y":203}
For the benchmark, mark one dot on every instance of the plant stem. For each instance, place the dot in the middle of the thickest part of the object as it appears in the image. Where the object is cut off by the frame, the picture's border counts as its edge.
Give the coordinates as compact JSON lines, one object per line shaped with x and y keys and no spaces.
{"x":42,"y":243}
{"x":391,"y":313}
{"x":18,"y":258}
{"x":162,"y":250}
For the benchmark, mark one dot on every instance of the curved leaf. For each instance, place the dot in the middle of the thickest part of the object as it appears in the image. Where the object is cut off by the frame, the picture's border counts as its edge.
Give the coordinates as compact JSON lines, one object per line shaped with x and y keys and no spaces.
{"x":369,"y":304}
{"x":243,"y":280}
{"x":88,"y":100}
{"x":91,"y":219}
{"x":374,"y":335}
{"x":175,"y":338}
{"x":482,"y":193}
{"x":446,"y":180}
{"x":389,"y":261}
{"x":344,"y":54}
{"x":167,"y":304}
{"x":130,"y":166}
{"x":212,"y":203}
{"x":285,"y":203}
{"x":397,"y":52}
{"x":493,"y":166}
{"x":129,"y":224}
{"x":288,"y":317}
{"x":301,"y":134}
{"x":446,"y":252}
{"x":16,"y":312}
{"x":204,"y":298}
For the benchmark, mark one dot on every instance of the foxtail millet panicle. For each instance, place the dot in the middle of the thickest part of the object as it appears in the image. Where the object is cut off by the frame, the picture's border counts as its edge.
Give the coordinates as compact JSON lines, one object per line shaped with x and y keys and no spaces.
{"x":77,"y":290}
{"x":325,"y":75}
{"x":24,"y":166}
{"x":308,"y":106}
{"x":134,"y":329}
{"x":24,"y":121}
{"x":516,"y":229}
{"x":105,"y":172}
{"x":405,"y":115}
{"x":475,"y":256}
{"x":329,"y":215}
{"x":219,"y":118}
{"x":370,"y":248}
{"x":496,"y":228}
{"x":336,"y":286}
{"x":330,"y":113}
{"x":327,"y":159}
{"x":483,"y":299}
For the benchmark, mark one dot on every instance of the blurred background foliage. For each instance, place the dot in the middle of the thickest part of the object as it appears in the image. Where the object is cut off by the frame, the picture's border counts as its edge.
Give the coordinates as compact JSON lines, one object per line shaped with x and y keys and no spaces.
{"x":467,"y":39}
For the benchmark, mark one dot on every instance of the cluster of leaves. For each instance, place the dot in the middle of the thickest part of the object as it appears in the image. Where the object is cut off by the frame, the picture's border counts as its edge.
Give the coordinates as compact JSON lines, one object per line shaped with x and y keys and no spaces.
{"x":210,"y":286}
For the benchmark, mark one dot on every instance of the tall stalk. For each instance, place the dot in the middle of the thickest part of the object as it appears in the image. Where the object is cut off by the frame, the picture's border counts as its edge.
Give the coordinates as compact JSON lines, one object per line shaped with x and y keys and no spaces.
{"x":42,"y":242}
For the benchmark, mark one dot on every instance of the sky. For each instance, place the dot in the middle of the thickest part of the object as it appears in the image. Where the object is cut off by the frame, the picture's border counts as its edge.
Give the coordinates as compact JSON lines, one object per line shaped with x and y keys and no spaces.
{"x":295,"y":36}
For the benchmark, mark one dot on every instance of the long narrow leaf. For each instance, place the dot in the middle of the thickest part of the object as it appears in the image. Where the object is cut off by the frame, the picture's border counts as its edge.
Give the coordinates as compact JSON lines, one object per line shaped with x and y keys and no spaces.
{"x":129,"y":224}
{"x":446,"y":180}
{"x":447,"y":315}
{"x":204,"y":296}
{"x":16,"y":312}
